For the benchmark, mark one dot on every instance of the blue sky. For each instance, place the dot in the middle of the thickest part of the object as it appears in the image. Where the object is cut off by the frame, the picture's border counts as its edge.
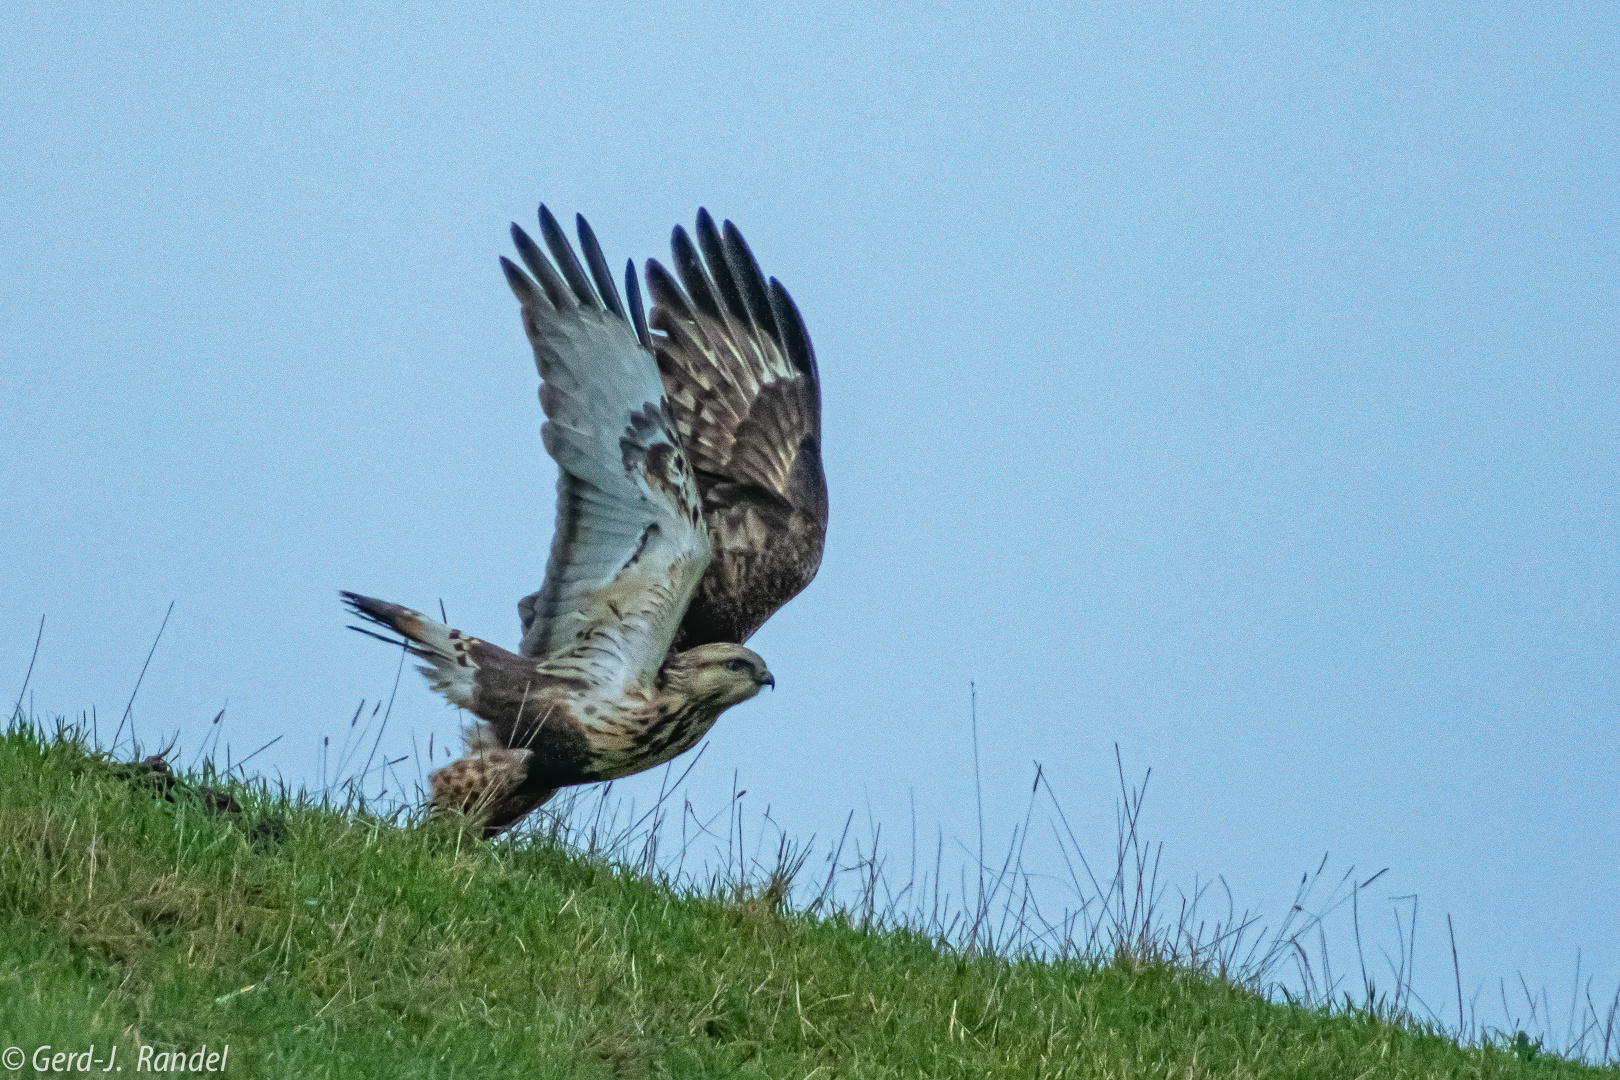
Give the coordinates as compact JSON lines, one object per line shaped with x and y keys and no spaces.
{"x":1234,"y":385}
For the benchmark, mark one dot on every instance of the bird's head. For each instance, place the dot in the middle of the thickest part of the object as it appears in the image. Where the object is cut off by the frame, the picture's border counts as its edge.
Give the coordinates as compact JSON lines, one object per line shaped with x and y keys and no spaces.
{"x":719,"y":673}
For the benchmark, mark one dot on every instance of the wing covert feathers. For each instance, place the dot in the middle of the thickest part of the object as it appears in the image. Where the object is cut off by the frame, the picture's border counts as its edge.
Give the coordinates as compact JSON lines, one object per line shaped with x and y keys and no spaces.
{"x":630,"y":543}
{"x":745,"y":396}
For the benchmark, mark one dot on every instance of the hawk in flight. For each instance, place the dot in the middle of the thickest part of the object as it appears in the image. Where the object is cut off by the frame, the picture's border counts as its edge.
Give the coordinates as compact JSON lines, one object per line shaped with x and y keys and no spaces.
{"x":691,"y":505}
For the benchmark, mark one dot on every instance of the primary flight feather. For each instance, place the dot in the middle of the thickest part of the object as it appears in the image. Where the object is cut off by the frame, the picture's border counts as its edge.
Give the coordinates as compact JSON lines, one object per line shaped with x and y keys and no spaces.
{"x":691,"y":505}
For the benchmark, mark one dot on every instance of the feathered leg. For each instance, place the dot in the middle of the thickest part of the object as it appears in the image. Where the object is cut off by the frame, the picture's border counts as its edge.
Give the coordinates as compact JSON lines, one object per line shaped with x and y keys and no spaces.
{"x":489,"y":783}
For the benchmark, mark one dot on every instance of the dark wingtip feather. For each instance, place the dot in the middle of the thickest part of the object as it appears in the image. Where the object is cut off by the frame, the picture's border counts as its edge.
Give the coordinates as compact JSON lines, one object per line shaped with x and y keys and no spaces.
{"x":669,"y":302}
{"x":638,"y":314}
{"x":750,"y":282}
{"x":795,"y":338}
{"x":526,"y":246}
{"x":714,"y":254}
{"x":523,"y":287}
{"x":599,"y":266}
{"x":690,"y":267}
{"x":563,"y":252}
{"x":557,"y":291}
{"x":708,"y":237}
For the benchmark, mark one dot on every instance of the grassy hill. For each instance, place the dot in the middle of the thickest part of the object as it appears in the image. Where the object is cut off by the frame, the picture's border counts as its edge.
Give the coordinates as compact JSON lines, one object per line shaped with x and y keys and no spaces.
{"x":317,"y":943}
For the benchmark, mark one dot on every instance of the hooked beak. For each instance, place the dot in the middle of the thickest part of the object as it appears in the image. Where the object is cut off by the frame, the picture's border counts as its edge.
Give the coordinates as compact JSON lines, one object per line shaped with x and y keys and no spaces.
{"x":769,"y":680}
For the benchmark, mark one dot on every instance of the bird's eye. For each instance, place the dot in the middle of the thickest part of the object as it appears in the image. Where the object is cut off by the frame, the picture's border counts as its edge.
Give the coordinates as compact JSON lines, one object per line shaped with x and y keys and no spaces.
{"x":737,"y":663}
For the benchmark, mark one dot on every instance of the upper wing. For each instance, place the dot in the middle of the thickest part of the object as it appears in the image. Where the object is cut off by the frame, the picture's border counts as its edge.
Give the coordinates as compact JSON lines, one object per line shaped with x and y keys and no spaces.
{"x":741,"y":381}
{"x":630,"y":544}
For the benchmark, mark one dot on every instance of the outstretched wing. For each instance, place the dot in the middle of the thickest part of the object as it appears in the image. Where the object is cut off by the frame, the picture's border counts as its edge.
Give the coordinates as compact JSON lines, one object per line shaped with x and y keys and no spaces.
{"x":630,"y":544}
{"x":741,"y":380}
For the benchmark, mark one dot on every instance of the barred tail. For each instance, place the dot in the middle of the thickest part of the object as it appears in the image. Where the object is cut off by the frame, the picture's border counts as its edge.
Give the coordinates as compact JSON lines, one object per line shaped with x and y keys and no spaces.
{"x":450,"y":667}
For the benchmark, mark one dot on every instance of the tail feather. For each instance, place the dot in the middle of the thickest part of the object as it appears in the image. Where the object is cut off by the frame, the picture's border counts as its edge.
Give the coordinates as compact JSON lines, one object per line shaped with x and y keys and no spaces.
{"x":450,"y":667}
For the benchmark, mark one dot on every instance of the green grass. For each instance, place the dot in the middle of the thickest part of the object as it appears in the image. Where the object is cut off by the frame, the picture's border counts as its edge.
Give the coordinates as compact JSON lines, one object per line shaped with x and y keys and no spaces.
{"x":318,"y":943}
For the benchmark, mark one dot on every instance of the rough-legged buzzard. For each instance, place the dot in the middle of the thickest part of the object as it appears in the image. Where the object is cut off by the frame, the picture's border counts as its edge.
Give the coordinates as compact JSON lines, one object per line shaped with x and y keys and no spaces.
{"x":691,"y":505}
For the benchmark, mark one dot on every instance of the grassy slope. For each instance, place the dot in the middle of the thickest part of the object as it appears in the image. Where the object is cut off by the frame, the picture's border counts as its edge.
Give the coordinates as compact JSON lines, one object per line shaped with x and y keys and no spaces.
{"x":351,"y":949}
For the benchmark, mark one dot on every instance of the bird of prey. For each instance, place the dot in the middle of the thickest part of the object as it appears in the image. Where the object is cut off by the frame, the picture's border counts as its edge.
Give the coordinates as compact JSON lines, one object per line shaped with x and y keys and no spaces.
{"x":691,"y":505}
